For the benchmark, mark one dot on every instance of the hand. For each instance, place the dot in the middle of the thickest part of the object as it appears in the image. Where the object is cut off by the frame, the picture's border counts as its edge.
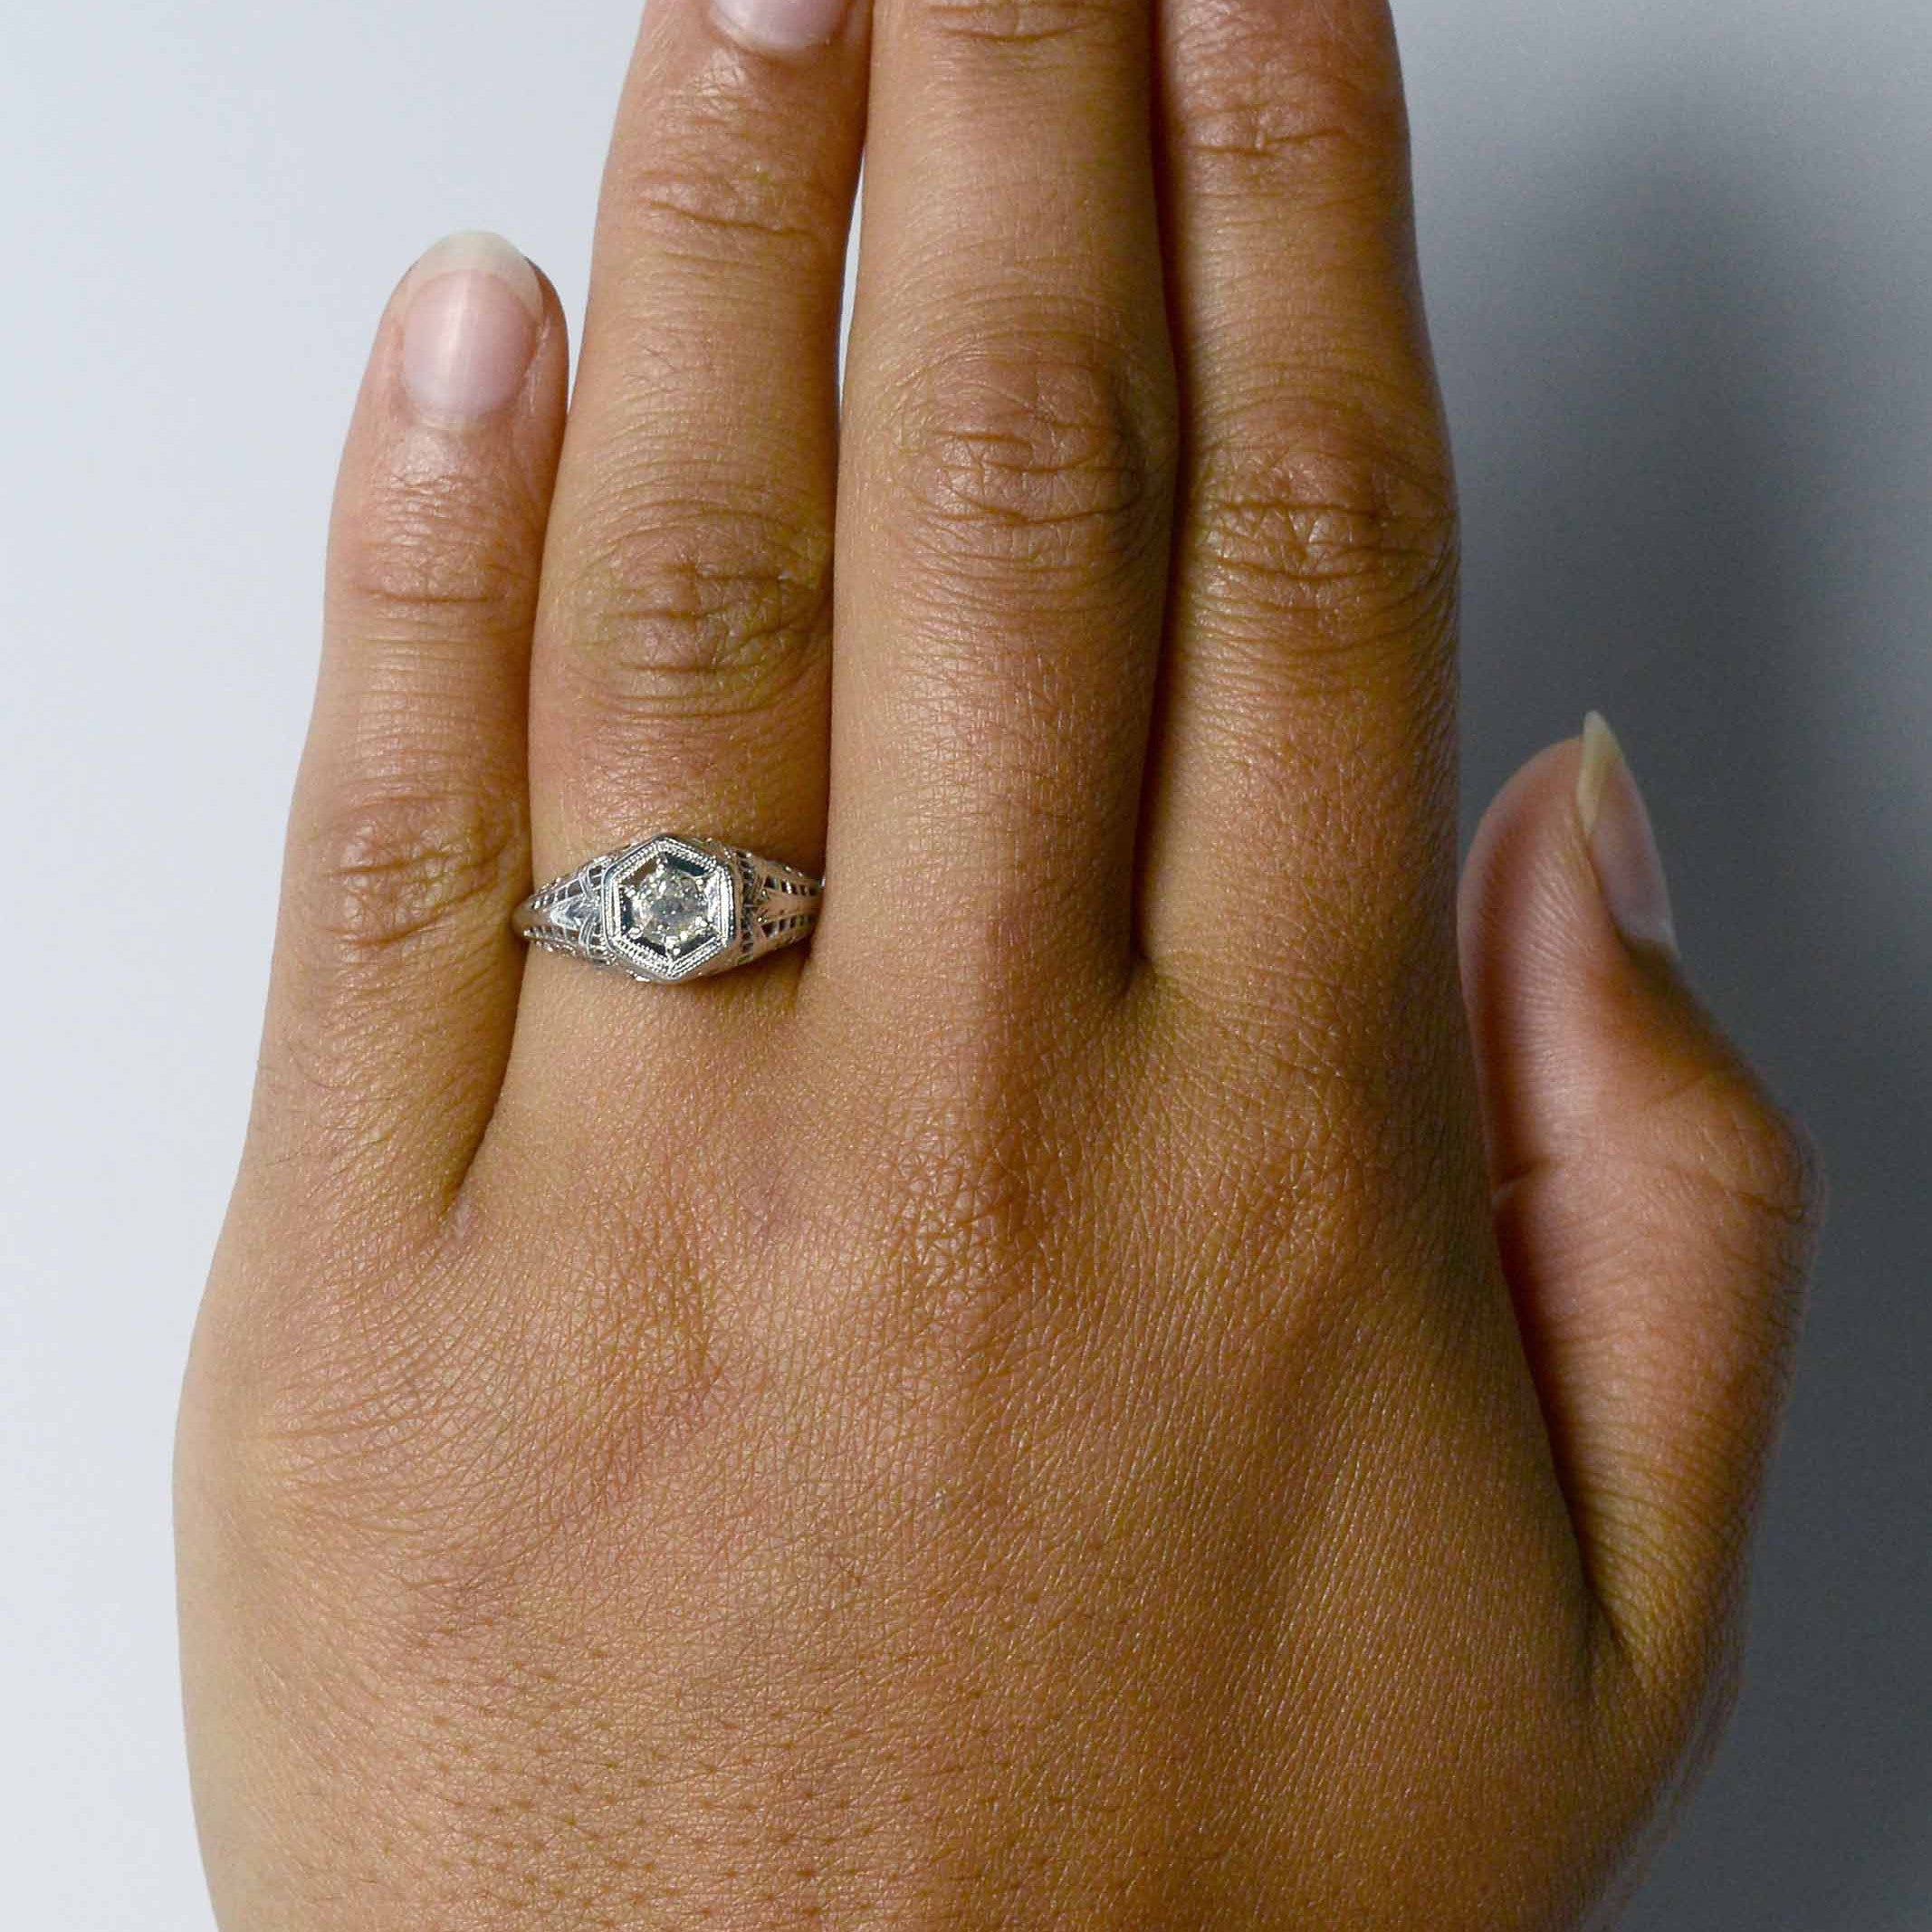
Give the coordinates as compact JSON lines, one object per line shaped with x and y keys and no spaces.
{"x":1119,"y":1389}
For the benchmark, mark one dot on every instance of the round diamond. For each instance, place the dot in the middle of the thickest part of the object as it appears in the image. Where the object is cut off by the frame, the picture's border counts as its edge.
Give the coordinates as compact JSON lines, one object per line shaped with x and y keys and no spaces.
{"x":669,"y":909}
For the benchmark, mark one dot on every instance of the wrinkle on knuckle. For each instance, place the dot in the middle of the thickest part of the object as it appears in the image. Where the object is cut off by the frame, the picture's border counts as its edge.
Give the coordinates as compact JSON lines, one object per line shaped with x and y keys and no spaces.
{"x":1048,"y":450}
{"x":975,"y":1183}
{"x":1015,"y":24}
{"x":1346,"y":1149}
{"x":389,"y":863}
{"x":1257,"y":128}
{"x":964,"y":1215}
{"x":1320,"y":1008}
{"x":1290,"y":1023}
{"x":437,"y":546}
{"x":1678,"y":1677}
{"x":706,"y":203}
{"x":1307,"y":1215}
{"x":341,"y":1404}
{"x":473,"y":1436}
{"x":332,"y":1075}
{"x":1323,"y":521}
{"x":1715,"y":1684}
{"x":1722,"y":1133}
{"x":638,"y":1354}
{"x":694,"y":608}
{"x":1273,"y":99}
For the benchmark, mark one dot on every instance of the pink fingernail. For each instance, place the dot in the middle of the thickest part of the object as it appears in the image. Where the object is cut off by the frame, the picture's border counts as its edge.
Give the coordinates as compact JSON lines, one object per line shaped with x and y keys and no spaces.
{"x":1622,"y":845}
{"x":780,"y":26}
{"x":473,"y":309}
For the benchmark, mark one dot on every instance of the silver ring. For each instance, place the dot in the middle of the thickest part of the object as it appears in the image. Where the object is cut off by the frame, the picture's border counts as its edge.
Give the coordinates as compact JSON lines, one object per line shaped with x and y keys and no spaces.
{"x":671,"y":908}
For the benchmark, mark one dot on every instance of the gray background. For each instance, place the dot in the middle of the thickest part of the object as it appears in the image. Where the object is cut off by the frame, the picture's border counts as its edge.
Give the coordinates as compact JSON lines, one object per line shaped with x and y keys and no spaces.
{"x":1680,"y":264}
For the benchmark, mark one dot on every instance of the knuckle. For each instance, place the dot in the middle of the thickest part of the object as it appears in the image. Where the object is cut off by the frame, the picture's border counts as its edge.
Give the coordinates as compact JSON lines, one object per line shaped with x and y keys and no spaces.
{"x":1017,"y":24}
{"x":1762,"y":1162}
{"x":311,"y":1389}
{"x":963,"y":1210}
{"x":369,"y":1483}
{"x":449,"y":545}
{"x":1336,"y":521}
{"x":698,"y":608}
{"x":966,"y":1228}
{"x":387,"y":864}
{"x":972,"y":1143}
{"x":1052,"y":452}
{"x":715,"y":198}
{"x":350,"y":1407}
{"x":1680,"y":1692}
{"x":1358,"y":1149}
{"x":1700,"y":1707}
{"x":1259,"y":117}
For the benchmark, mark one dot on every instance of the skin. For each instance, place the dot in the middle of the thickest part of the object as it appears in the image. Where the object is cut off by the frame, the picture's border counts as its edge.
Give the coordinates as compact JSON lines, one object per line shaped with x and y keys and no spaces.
{"x":1145,"y":1380}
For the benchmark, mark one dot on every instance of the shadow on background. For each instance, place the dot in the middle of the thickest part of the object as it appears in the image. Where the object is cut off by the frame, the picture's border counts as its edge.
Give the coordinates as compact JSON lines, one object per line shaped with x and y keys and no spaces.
{"x":1660,"y":457}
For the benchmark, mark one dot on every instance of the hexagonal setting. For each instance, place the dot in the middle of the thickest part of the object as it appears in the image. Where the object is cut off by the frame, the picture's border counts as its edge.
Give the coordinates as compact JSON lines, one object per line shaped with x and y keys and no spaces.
{"x":668,"y":909}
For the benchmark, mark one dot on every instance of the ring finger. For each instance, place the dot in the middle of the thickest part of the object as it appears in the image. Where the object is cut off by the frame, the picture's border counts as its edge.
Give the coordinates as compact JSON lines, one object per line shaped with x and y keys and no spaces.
{"x":681,"y":659}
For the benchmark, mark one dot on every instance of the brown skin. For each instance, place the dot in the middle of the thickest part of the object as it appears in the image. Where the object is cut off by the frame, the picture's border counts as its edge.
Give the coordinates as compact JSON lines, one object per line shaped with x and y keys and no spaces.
{"x":1127,"y":1401}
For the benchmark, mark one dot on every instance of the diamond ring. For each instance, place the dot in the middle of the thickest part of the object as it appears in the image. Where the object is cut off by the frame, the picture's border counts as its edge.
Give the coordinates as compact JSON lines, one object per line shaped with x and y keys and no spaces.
{"x":671,"y":908}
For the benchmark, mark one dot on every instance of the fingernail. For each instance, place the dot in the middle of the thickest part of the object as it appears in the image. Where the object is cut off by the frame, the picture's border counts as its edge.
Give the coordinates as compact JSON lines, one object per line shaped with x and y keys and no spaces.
{"x":780,"y":26}
{"x":1622,"y":845}
{"x":470,"y":326}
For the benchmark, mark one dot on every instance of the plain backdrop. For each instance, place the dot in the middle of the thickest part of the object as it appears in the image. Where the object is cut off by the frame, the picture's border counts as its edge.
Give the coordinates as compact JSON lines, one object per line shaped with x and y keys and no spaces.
{"x":1680,"y":270}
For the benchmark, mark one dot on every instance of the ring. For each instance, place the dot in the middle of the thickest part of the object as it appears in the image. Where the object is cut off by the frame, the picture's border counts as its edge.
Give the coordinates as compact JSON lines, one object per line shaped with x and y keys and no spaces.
{"x":671,"y":908}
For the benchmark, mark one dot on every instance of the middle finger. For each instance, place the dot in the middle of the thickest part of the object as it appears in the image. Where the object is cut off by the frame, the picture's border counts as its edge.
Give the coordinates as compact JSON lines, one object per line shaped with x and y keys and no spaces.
{"x":1004,"y":497}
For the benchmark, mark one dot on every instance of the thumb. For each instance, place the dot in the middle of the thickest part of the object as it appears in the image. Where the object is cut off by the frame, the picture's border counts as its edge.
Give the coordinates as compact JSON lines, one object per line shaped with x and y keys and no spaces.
{"x":1655,"y":1210}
